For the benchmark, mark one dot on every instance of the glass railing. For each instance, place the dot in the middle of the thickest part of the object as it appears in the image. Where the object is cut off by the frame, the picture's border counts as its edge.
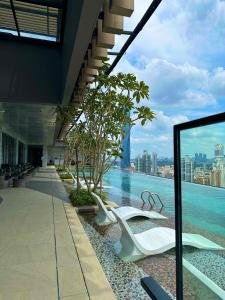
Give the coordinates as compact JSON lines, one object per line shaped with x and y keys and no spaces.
{"x":200,"y":208}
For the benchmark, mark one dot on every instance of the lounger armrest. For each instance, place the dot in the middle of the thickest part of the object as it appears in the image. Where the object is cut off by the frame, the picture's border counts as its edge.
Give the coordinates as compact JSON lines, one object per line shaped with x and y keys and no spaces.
{"x":153,"y":289}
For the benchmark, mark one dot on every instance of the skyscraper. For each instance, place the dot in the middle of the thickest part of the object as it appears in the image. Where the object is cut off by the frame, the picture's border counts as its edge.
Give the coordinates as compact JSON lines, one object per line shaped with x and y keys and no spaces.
{"x":218,"y":171}
{"x":125,"y":161}
{"x":219,"y":153}
{"x":154,"y":163}
{"x":138,"y":163}
{"x":146,"y":158}
{"x":186,"y":169}
{"x":196,"y":157}
{"x":200,"y":157}
{"x":204,"y":158}
{"x":143,"y":163}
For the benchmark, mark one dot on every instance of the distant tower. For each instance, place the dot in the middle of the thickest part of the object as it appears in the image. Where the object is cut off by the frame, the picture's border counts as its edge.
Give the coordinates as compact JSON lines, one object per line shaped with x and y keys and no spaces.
{"x":154,"y":163}
{"x":204,"y":158}
{"x":196,"y":157}
{"x":138,"y":163}
{"x":219,"y":153}
{"x":186,"y":169}
{"x":146,"y":162}
{"x":218,"y":171}
{"x":125,"y":161}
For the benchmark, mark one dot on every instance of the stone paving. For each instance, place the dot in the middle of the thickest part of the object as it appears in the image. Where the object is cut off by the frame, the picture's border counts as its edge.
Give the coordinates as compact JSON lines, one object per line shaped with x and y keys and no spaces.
{"x":44,"y":251}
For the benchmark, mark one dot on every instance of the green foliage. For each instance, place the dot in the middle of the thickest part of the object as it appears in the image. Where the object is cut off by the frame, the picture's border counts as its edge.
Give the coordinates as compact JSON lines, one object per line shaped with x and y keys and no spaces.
{"x":60,"y":168}
{"x":81,"y":197}
{"x":106,"y":106}
{"x":65,"y":176}
{"x":104,"y":197}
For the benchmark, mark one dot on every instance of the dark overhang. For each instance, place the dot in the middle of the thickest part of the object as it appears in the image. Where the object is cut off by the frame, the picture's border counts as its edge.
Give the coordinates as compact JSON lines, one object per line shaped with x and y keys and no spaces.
{"x":34,"y":20}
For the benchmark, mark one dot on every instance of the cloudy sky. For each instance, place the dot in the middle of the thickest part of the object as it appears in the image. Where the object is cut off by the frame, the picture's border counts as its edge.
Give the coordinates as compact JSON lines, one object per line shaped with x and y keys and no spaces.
{"x":180,"y":54}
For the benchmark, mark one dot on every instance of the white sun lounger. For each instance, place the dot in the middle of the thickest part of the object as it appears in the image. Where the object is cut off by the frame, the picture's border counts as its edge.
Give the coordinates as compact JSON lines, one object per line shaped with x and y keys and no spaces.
{"x":84,"y":186}
{"x":83,"y":183}
{"x":105,"y":217}
{"x":155,"y":241}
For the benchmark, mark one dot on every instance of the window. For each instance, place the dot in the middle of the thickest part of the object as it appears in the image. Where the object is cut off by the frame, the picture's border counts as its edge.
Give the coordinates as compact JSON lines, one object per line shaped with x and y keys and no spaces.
{"x":8,"y":149}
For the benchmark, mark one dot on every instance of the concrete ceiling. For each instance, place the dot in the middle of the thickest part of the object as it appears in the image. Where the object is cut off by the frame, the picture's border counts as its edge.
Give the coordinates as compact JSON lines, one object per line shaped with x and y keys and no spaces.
{"x":34,"y":78}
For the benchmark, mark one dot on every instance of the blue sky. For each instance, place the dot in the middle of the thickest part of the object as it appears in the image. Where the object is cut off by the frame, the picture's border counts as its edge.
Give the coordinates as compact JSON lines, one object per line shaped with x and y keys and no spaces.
{"x":180,"y":54}
{"x":202,"y":139}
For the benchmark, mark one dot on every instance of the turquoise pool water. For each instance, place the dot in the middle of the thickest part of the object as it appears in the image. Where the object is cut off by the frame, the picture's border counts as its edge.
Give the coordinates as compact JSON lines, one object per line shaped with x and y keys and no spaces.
{"x":203,"y":206}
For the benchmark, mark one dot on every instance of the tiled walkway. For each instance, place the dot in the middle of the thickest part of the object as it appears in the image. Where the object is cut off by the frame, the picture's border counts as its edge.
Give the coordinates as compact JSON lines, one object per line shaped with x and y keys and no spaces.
{"x":44,"y":251}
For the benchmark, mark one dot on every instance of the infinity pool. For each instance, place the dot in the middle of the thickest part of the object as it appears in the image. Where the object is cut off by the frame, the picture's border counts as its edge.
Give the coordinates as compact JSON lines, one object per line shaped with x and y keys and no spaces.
{"x":203,"y":206}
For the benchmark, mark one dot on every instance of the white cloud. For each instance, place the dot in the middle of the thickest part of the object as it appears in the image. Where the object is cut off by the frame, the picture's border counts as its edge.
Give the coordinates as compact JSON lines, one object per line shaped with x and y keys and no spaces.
{"x":156,"y":135}
{"x":180,"y":86}
{"x":180,"y":31}
{"x":180,"y":55}
{"x":218,"y":82}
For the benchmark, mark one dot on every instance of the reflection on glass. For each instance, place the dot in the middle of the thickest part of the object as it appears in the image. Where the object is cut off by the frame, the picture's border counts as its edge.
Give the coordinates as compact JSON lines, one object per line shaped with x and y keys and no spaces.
{"x":203,"y":174}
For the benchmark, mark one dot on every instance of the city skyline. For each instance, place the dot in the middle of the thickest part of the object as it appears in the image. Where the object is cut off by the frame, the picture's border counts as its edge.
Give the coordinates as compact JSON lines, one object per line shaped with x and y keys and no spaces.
{"x":197,"y":168}
{"x":185,"y":73}
{"x":202,"y":139}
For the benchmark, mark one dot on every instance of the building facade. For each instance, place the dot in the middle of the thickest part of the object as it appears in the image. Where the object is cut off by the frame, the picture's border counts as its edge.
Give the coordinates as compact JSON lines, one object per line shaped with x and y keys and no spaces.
{"x":154,"y":164}
{"x":144,"y":163}
{"x":218,"y":169}
{"x":186,"y":169}
{"x":125,"y":161}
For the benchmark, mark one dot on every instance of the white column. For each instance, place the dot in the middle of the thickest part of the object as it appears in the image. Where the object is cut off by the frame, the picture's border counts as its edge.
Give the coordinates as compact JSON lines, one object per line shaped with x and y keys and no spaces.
{"x":44,"y":156}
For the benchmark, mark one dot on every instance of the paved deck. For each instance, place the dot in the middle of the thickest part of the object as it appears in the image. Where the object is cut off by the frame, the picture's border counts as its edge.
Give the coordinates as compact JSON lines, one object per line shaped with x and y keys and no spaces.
{"x":44,"y":251}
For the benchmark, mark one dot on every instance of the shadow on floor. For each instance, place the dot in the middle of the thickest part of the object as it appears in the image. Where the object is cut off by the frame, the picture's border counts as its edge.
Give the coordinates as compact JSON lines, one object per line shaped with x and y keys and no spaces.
{"x":52,"y":188}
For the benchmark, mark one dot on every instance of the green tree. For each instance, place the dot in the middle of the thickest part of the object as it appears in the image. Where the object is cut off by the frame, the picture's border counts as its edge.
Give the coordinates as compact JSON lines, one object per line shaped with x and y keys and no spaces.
{"x":105,"y":109}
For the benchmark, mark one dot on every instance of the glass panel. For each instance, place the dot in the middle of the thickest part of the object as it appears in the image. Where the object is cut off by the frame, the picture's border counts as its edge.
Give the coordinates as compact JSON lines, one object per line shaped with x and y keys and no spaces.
{"x":7,"y":22}
{"x":8,"y":149}
{"x":203,"y":211}
{"x":34,"y":20}
{"x":21,"y":153}
{"x":37,"y":21}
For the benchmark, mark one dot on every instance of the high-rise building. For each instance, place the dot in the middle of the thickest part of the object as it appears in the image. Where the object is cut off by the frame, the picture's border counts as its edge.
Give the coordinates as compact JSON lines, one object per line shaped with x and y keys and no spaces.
{"x":125,"y":161}
{"x":186,"y":169}
{"x":204,"y":158}
{"x":200,"y":157}
{"x":219,"y":153}
{"x":143,"y":163}
{"x":217,"y":176}
{"x":138,"y":163}
{"x":154,"y":163}
{"x":146,"y":159}
{"x":218,"y":171}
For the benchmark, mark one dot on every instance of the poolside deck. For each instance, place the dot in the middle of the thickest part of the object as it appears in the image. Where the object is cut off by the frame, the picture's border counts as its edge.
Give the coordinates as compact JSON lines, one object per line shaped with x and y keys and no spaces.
{"x":44,"y":250}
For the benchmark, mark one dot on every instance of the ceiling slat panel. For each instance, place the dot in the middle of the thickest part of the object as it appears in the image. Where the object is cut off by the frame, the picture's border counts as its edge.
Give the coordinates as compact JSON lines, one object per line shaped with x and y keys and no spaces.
{"x":32,"y":18}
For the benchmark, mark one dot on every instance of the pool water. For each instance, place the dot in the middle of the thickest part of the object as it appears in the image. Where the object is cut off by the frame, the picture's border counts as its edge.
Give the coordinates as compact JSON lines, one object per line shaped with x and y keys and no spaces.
{"x":203,"y":213}
{"x":203,"y":206}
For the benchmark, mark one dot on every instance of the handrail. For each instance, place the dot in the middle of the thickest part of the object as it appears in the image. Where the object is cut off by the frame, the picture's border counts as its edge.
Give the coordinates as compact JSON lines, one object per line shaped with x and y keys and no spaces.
{"x":156,"y":194}
{"x":152,"y":195}
{"x":149,"y":196}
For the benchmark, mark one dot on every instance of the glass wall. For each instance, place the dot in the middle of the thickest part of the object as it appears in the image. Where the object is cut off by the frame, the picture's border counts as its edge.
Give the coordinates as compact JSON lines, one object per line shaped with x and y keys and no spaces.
{"x":21,"y":153}
{"x":201,"y":209}
{"x":8,"y":149}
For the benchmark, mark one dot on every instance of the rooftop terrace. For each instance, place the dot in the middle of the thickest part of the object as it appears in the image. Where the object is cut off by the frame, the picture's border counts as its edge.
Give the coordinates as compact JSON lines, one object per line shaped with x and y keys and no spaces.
{"x":44,"y":251}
